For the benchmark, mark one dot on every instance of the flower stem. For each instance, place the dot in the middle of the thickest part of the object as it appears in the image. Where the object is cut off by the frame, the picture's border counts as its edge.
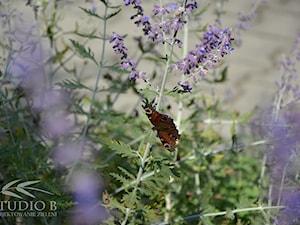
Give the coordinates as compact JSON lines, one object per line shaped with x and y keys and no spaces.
{"x":99,"y":75}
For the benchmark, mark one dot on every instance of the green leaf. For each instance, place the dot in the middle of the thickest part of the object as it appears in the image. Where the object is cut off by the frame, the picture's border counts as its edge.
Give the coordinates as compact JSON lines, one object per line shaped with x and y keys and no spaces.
{"x":126,"y":172}
{"x":150,"y":184}
{"x":121,"y":148}
{"x":130,"y":199}
{"x":114,"y":203}
{"x":146,"y":191}
{"x":120,"y":178}
{"x":113,"y":14}
{"x":73,"y":84}
{"x":91,"y":13}
{"x":83,"y":52}
{"x":91,"y":36}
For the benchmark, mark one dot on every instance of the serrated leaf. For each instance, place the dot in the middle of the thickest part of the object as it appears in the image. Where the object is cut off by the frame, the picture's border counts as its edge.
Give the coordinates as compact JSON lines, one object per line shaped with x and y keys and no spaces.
{"x":115,"y":204}
{"x":165,"y":171}
{"x":24,"y":192}
{"x":113,"y":14}
{"x":73,"y":84}
{"x":126,"y":172}
{"x":150,"y":184}
{"x":146,"y":191}
{"x":121,"y":148}
{"x":91,"y":36}
{"x":9,"y":193}
{"x":130,"y":199}
{"x":28,"y":183}
{"x":83,"y":52}
{"x":8,"y":185}
{"x":120,"y":178}
{"x":91,"y":13}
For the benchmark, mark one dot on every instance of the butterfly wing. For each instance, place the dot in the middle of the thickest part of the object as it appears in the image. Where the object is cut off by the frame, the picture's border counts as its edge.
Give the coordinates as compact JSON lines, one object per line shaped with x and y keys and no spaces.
{"x":168,"y":140}
{"x":160,"y":121}
{"x":164,"y":125}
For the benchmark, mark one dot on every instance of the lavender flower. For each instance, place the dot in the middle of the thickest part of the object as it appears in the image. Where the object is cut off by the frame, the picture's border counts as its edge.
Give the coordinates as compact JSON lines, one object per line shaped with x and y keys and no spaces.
{"x":135,"y":2}
{"x":283,"y":155}
{"x":66,"y":154}
{"x":126,"y":62}
{"x":88,"y":210}
{"x":119,"y":46}
{"x":244,"y":21}
{"x":186,"y":87}
{"x":288,"y":84}
{"x":93,"y":5}
{"x":290,"y":215}
{"x":282,"y":164}
{"x":27,"y":70}
{"x":159,"y":31}
{"x":55,"y":125}
{"x":162,"y":31}
{"x":216,"y":43}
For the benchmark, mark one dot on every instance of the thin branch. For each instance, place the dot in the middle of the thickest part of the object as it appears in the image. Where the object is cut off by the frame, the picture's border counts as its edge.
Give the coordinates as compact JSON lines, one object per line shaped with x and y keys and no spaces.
{"x":223,"y":213}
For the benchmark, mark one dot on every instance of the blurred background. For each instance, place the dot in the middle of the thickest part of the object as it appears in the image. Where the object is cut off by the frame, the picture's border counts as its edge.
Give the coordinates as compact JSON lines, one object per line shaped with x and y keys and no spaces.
{"x":253,"y":66}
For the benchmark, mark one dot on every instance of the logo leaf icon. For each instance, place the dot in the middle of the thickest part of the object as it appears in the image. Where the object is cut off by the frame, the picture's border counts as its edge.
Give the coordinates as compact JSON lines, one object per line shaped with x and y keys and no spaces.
{"x":40,"y":190}
{"x":9,"y":193}
{"x":28,"y":183}
{"x":7,"y":189}
{"x":25,"y":192}
{"x":8,"y":185}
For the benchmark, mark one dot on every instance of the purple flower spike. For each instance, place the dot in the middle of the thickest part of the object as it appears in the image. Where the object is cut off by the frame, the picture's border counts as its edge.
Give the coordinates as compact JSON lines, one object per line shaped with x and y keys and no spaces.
{"x":185,"y":86}
{"x":216,"y":43}
{"x":86,"y":188}
{"x":134,"y":75}
{"x":166,"y":31}
{"x":126,"y":62}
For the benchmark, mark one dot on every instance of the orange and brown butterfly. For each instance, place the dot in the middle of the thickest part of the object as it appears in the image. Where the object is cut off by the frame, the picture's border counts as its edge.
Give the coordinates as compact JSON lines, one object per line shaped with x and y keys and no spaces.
{"x":164,"y":125}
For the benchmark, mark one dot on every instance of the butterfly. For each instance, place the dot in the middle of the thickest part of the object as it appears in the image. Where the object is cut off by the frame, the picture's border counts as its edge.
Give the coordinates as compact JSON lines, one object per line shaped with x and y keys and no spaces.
{"x":164,"y":125}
